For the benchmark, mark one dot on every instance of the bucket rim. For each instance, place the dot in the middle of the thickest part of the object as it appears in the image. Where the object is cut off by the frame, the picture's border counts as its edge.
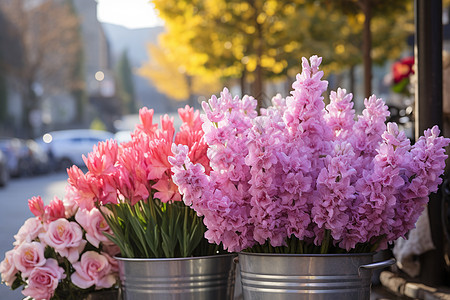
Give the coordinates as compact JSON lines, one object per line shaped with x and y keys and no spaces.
{"x":215,"y":256}
{"x":307,"y":255}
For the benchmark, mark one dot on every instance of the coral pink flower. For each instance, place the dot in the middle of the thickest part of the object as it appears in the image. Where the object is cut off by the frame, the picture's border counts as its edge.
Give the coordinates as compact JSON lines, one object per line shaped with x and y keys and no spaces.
{"x":8,"y":268}
{"x":36,"y":205}
{"x":146,"y":126}
{"x":95,"y":225}
{"x":43,"y":280}
{"x":167,"y":190}
{"x":102,"y":159}
{"x":131,"y":179}
{"x":87,"y":187}
{"x":54,"y":210}
{"x":160,"y":150}
{"x":191,"y":119}
{"x":93,"y":269}
{"x":66,"y":237}
{"x":29,"y":256}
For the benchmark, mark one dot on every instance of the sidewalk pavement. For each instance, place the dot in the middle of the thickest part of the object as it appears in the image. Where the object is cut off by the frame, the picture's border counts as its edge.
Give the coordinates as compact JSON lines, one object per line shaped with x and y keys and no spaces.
{"x":395,"y":287}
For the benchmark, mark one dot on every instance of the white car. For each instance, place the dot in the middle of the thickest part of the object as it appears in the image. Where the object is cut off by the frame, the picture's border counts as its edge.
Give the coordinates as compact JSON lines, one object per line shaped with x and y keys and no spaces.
{"x":66,"y":147}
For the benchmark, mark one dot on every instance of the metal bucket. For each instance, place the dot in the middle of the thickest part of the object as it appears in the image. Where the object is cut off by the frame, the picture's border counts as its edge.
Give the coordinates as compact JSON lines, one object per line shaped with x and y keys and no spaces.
{"x":199,"y":278}
{"x":296,"y":276}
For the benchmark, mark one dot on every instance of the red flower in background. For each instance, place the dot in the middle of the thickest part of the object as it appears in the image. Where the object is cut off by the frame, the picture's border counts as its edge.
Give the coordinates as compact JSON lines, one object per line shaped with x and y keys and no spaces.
{"x":403,"y":69}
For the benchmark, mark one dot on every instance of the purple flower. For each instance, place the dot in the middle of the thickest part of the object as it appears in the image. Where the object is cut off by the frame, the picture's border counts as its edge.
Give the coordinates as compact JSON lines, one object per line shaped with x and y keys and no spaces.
{"x":301,"y":170}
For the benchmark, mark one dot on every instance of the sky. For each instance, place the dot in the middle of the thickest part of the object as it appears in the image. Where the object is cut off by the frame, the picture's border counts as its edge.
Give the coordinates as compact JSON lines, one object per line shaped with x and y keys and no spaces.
{"x":129,"y":13}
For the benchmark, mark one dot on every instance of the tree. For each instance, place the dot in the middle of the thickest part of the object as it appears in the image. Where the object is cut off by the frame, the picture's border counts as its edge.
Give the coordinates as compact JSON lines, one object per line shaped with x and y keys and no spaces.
{"x":250,"y":40}
{"x":171,"y":78}
{"x":47,"y":32}
{"x":367,"y":10}
{"x":257,"y":40}
{"x":78,"y":86}
{"x":6,"y":38}
{"x":125,"y":84}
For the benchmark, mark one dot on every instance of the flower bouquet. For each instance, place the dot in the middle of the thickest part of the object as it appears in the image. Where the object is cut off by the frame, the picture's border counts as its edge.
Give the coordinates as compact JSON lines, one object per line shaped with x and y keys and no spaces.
{"x":61,"y":253}
{"x":131,"y":184}
{"x":305,"y":178}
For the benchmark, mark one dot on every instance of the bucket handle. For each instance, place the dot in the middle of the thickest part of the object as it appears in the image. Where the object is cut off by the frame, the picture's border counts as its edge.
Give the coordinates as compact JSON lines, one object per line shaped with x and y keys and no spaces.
{"x":379,"y":264}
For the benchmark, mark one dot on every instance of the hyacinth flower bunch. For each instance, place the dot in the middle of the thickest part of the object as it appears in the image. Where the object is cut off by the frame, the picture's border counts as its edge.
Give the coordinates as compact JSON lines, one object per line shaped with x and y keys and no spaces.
{"x":131,"y":184}
{"x":302,"y":177}
{"x":61,"y":252}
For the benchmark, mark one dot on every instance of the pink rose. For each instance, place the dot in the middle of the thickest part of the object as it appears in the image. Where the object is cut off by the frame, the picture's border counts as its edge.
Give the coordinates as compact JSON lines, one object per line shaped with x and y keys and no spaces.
{"x":66,"y":237}
{"x":8,"y":268}
{"x":36,"y":205}
{"x":113,"y":262}
{"x":29,"y":256}
{"x":93,"y":222}
{"x":30,"y":230}
{"x":54,"y":210}
{"x":93,"y":269}
{"x":43,"y":280}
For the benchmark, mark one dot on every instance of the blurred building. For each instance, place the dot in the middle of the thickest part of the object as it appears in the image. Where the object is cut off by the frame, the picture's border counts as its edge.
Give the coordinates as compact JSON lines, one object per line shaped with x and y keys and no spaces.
{"x":55,"y":106}
{"x":98,"y":69}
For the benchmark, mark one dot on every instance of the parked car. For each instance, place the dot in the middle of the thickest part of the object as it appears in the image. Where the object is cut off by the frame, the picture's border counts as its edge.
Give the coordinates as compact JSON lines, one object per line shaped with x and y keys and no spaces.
{"x":4,"y":170}
{"x":17,"y":154}
{"x":66,"y":147}
{"x":39,"y":162}
{"x":24,"y":157}
{"x":122,"y":136}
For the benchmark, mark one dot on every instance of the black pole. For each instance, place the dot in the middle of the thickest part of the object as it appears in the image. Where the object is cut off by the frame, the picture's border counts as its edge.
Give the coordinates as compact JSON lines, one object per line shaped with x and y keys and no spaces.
{"x":428,"y":101}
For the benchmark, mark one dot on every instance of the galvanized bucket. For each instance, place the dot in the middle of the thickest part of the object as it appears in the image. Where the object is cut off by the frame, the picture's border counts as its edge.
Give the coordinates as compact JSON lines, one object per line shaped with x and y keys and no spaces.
{"x":199,"y":278}
{"x":296,"y":276}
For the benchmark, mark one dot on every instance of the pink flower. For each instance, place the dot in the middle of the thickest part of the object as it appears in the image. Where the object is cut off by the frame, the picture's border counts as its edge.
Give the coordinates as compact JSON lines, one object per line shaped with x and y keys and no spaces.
{"x":8,"y":268}
{"x":131,"y":179}
{"x":29,"y":256}
{"x":341,"y":114}
{"x":30,"y":230}
{"x":102,"y":159}
{"x":93,"y":269}
{"x":160,"y":150}
{"x":66,"y":237}
{"x":95,"y":225}
{"x":86,"y":187}
{"x":146,"y":126}
{"x":54,"y":210}
{"x":43,"y":280}
{"x":36,"y":205}
{"x":191,"y":119}
{"x":167,"y":191}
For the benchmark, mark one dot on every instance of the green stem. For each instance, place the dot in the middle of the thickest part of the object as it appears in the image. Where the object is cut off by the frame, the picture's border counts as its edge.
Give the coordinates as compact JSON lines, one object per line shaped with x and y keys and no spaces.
{"x":325,"y":243}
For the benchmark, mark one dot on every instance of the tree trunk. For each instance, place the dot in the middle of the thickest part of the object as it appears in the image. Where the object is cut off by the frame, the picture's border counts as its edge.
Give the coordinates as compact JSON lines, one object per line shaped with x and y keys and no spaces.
{"x":242,"y":82}
{"x":352,"y":79}
{"x":258,"y":86}
{"x":367,"y":46}
{"x":29,"y":103}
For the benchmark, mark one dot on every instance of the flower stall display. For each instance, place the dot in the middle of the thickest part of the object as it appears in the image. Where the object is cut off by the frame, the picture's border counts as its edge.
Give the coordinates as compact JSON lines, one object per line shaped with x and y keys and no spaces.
{"x":163,"y":250}
{"x":61,"y":253}
{"x":133,"y":181}
{"x":302,"y":177}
